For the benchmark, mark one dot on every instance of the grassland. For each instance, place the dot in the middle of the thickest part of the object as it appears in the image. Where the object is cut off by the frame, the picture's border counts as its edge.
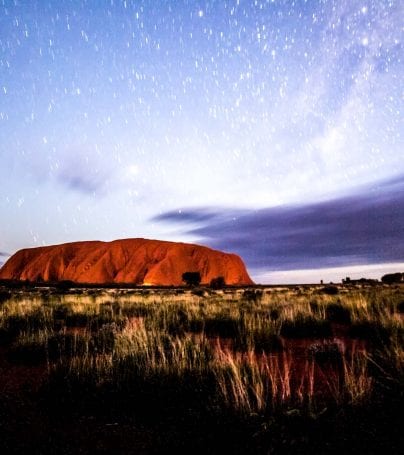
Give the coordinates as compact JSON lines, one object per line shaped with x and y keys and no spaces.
{"x":256,"y":370}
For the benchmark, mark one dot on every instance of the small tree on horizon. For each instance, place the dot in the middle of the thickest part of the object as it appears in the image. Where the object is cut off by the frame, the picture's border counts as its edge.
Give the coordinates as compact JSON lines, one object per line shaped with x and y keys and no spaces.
{"x":391,"y":278}
{"x":191,"y":278}
{"x":218,"y":282}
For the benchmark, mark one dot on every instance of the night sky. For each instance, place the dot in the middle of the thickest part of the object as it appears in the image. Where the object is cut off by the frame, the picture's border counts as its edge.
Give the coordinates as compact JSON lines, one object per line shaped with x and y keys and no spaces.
{"x":272,"y":129}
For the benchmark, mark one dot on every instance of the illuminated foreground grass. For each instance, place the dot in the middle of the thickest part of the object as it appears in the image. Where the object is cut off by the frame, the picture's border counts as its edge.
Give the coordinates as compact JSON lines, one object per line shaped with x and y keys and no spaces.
{"x":247,"y":370}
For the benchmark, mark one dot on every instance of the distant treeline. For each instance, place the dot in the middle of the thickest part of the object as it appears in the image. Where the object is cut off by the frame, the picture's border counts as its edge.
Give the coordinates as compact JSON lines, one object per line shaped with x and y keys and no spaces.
{"x":217,"y":283}
{"x":391,"y":278}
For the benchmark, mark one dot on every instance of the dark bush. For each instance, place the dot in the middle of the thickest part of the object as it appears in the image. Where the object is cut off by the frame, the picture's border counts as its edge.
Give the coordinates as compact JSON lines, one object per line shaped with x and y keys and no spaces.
{"x":64,"y":286}
{"x":217,"y":283}
{"x":60,"y":312}
{"x":200,"y":292}
{"x":335,"y":312}
{"x":400,"y":307}
{"x":376,"y":335}
{"x":306,"y":327}
{"x":175,"y":327}
{"x":4,"y":296}
{"x":27,"y":353}
{"x":392,"y":278}
{"x":191,"y":278}
{"x":224,"y":326}
{"x":326,"y":353}
{"x":77,"y":319}
{"x":274,"y":314}
{"x":7,"y":336}
{"x":196,"y":325}
{"x":67,"y":345}
{"x":15,"y":324}
{"x":266,"y":342}
{"x":252,"y":295}
{"x":330,"y":290}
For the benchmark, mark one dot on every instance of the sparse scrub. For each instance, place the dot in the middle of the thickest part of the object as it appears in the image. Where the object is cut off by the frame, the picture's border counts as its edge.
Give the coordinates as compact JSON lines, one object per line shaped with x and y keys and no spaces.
{"x":374,"y":334}
{"x":261,"y":358}
{"x":222,"y":326}
{"x":253,"y":295}
{"x":265,"y":341}
{"x":327,"y":352}
{"x":306,"y":327}
{"x":335,"y":312}
{"x":330,"y":290}
{"x":4,"y":296}
{"x":29,"y":349}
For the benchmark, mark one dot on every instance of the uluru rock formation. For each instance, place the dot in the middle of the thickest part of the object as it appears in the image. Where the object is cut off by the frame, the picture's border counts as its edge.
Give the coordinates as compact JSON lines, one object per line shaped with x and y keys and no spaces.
{"x":134,"y":261}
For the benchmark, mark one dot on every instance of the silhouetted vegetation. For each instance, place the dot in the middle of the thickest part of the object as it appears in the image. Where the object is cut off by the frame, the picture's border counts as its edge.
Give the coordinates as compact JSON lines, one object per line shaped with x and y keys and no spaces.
{"x":392,"y":278}
{"x":306,"y":327}
{"x":330,"y":290}
{"x":64,"y":285}
{"x":335,"y":312}
{"x":252,"y":295}
{"x":217,"y":283}
{"x":191,"y":278}
{"x":4,"y":296}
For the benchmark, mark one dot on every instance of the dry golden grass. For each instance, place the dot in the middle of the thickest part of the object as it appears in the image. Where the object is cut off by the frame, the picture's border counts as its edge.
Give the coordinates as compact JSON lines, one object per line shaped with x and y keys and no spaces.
{"x":231,"y":335}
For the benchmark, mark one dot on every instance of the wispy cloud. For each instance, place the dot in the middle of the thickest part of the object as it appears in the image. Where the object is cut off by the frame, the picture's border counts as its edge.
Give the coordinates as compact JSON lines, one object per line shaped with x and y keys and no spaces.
{"x":78,"y":180}
{"x":365,"y":228}
{"x":83,"y":171}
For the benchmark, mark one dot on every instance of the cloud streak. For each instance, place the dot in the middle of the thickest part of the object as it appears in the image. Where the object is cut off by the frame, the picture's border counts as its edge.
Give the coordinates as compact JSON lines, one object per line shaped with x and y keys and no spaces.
{"x":81,"y":183}
{"x":84,"y":171}
{"x":365,"y":228}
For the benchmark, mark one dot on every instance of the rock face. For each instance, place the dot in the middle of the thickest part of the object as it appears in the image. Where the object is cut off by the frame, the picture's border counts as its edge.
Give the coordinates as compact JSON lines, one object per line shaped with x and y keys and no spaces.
{"x":134,"y":261}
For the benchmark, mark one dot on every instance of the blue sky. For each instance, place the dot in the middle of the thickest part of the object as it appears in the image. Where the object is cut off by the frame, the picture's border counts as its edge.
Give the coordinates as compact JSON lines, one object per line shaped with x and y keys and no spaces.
{"x":170,"y":119}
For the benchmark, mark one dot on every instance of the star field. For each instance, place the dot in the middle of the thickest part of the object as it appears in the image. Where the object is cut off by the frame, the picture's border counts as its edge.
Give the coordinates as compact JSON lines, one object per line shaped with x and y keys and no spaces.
{"x":113,"y":113}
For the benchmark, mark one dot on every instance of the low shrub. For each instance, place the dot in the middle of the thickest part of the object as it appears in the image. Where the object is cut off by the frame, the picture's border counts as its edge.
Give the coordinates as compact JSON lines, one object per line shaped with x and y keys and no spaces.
{"x":222,"y":326}
{"x":252,"y":295}
{"x":4,"y":296}
{"x":400,"y":307}
{"x":377,"y":335}
{"x":330,"y":290}
{"x":30,"y":352}
{"x":61,"y":312}
{"x":326,"y":353}
{"x":200,"y":292}
{"x":67,"y":345}
{"x":77,"y":319}
{"x":265,"y":341}
{"x":306,"y":327}
{"x":335,"y":312}
{"x":274,"y":314}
